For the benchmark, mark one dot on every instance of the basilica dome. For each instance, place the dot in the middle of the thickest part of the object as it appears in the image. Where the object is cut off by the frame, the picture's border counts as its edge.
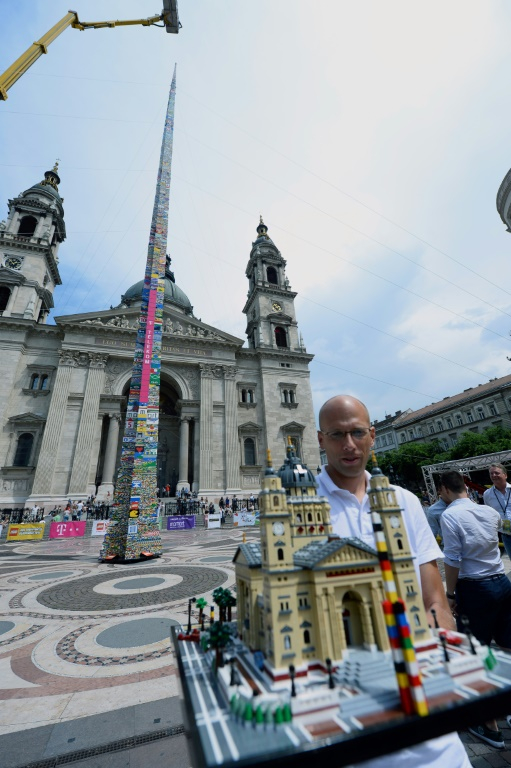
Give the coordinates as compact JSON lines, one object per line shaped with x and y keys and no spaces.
{"x":173,"y":293}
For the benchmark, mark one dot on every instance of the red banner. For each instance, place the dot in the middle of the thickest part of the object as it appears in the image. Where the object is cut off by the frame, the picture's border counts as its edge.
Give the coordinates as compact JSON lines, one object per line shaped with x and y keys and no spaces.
{"x":67,"y":530}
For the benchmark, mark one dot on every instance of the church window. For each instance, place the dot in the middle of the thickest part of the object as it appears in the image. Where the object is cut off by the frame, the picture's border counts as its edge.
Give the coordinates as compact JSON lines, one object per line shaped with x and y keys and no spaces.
{"x":44,"y":381}
{"x":400,"y":544}
{"x":249,"y":449}
{"x":417,"y":620}
{"x":23,"y":450}
{"x":275,"y":501}
{"x":280,"y":554}
{"x":5,"y":295}
{"x":306,"y":637}
{"x":271,"y":275}
{"x":27,"y":226}
{"x":309,"y":517}
{"x":244,"y":396}
{"x":287,"y":642}
{"x":34,"y":381}
{"x":291,"y":396}
{"x":318,"y":517}
{"x":280,"y":337}
{"x":298,"y":518}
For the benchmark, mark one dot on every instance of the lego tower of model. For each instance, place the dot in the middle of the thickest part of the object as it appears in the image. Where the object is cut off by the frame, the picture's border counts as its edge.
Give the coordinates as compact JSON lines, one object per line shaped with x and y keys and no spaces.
{"x":134,"y":527}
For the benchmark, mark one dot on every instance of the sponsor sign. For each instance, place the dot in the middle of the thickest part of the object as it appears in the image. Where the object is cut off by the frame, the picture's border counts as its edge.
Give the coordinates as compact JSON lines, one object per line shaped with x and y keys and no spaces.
{"x":243,"y":518}
{"x":99,"y":527}
{"x":214,"y":521}
{"x":67,"y":530}
{"x":180,"y":522}
{"x":25,"y":531}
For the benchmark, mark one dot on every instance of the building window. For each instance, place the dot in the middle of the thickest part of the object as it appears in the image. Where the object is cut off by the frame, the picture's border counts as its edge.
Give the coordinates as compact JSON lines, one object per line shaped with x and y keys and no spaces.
{"x":449,"y":422}
{"x":306,"y":636}
{"x":271,"y":276}
{"x":445,"y":443}
{"x":34,"y":381}
{"x":439,"y":425}
{"x":280,"y":337}
{"x":5,"y":295}
{"x":492,"y":409}
{"x":419,"y":431}
{"x":27,"y":226}
{"x":459,"y":419}
{"x":287,"y":642}
{"x":431,"y":429}
{"x":390,"y":439}
{"x":288,"y":394}
{"x":470,"y":418}
{"x":410,"y":434}
{"x":402,"y":437}
{"x":249,"y":451}
{"x":247,"y":396}
{"x":454,"y":439}
{"x":480,"y":413}
{"x":280,"y":554}
{"x":23,"y":450}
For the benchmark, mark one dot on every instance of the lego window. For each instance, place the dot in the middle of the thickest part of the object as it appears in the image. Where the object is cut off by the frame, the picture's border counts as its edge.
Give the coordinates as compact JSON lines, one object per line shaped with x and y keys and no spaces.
{"x":306,"y":637}
{"x":399,"y":543}
{"x":287,"y":642}
{"x":280,"y":554}
{"x":5,"y":295}
{"x":275,"y":501}
{"x":23,"y":450}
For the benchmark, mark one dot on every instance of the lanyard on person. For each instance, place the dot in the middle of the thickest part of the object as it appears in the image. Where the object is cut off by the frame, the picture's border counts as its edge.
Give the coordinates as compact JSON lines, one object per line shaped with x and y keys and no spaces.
{"x":503,"y":508}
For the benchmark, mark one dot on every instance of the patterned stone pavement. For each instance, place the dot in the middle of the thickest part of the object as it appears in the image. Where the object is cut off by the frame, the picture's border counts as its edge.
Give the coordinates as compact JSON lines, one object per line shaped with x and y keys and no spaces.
{"x":86,"y":668}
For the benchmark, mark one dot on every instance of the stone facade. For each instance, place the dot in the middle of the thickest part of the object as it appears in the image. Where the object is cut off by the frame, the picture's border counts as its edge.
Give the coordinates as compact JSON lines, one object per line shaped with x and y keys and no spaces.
{"x":64,"y":386}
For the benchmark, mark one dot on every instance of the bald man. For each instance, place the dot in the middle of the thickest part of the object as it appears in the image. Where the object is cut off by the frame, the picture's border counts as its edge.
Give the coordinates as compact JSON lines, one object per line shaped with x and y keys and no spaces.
{"x":346,"y":435}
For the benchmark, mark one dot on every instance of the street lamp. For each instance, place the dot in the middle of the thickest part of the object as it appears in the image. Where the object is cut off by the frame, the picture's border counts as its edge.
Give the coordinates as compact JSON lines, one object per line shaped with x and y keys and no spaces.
{"x":190,"y":601}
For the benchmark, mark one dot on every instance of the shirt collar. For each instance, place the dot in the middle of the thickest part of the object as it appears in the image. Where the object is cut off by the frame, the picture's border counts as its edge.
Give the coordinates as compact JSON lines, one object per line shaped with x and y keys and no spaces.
{"x":331,"y":487}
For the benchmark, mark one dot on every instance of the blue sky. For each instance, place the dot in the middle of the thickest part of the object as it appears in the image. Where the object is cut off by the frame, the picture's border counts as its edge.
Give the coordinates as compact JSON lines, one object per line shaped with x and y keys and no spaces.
{"x":373,"y":140}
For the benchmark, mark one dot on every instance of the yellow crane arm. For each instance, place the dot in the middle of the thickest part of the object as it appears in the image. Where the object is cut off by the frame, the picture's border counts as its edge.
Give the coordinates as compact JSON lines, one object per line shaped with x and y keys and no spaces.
{"x":25,"y":61}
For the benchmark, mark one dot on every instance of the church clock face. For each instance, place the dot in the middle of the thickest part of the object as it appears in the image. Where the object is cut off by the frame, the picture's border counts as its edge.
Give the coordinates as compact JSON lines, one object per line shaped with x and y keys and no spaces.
{"x":276,"y":307}
{"x":13,"y":262}
{"x":278,"y":529}
{"x":394,"y":521}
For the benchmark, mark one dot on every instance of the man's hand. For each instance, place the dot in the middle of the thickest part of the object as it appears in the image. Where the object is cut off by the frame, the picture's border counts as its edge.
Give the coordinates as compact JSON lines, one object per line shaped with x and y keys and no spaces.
{"x":433,"y":595}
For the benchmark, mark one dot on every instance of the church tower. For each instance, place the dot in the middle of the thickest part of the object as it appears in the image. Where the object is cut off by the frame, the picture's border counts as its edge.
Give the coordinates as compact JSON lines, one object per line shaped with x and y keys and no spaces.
{"x":270,"y":311}
{"x":29,"y":243}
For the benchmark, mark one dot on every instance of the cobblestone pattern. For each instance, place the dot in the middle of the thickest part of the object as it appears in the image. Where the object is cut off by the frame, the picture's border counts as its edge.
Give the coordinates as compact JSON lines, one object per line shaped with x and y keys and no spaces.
{"x":78,"y":595}
{"x":66,"y":650}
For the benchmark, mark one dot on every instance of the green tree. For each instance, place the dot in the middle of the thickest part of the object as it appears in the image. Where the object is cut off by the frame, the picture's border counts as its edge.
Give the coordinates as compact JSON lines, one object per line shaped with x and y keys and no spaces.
{"x":201,"y":604}
{"x":219,"y":638}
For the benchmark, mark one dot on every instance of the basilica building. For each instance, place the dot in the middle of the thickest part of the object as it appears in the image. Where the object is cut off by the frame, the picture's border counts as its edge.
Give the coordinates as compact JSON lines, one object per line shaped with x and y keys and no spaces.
{"x":223,"y":401}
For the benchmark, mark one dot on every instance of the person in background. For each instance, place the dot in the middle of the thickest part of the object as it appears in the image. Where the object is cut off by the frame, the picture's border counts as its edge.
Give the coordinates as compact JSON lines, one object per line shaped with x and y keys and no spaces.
{"x":497,"y":497}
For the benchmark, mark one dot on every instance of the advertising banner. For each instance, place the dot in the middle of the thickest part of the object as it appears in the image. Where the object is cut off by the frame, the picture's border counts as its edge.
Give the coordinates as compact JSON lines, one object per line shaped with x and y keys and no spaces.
{"x":99,"y":527}
{"x":67,"y":530}
{"x":25,"y":531}
{"x":180,"y":522}
{"x":243,"y":518}
{"x":214,"y":521}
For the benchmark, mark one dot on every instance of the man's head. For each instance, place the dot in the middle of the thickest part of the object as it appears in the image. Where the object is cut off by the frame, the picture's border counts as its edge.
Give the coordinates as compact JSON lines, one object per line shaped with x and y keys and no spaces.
{"x":346,"y":435}
{"x":498,"y":475}
{"x":451,"y":486}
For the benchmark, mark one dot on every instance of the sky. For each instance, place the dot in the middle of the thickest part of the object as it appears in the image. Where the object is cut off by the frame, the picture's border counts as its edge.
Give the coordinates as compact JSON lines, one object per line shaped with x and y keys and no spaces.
{"x":372,"y":137}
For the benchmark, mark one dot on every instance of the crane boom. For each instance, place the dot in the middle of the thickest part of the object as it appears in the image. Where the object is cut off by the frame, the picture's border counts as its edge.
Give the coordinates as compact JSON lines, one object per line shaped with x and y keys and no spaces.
{"x":24,"y":62}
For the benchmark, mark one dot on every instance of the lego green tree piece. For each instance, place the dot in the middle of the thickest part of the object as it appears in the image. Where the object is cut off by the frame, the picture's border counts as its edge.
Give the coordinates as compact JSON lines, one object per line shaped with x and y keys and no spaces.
{"x":286,"y":713}
{"x":248,"y":712}
{"x":259,"y":714}
{"x":278,"y":716}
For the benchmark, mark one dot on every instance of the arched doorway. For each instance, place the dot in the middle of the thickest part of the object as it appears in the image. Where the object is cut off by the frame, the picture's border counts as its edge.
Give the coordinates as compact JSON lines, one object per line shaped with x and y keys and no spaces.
{"x":352,"y":619}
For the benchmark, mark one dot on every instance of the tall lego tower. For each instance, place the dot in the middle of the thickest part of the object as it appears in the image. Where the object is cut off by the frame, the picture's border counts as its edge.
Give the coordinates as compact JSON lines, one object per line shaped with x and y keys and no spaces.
{"x":133,"y":532}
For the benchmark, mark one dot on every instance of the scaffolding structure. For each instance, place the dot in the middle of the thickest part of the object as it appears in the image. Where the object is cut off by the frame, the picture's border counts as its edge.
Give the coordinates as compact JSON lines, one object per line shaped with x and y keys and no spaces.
{"x":465,"y":466}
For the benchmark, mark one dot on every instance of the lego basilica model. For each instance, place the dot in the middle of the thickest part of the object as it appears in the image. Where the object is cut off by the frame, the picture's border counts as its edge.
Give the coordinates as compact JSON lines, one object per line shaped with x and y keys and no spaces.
{"x":331,"y":643}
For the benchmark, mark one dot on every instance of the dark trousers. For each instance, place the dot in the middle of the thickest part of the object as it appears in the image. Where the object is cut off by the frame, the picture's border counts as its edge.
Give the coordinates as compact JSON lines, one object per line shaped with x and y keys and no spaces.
{"x":487,"y":605}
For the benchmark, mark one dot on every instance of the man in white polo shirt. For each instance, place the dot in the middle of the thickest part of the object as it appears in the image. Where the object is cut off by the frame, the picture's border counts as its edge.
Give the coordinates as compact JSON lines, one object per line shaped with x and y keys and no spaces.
{"x":347,"y":437}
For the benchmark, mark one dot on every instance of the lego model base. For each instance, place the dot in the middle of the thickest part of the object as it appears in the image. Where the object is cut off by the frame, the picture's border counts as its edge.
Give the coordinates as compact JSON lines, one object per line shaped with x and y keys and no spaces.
{"x":240,"y":716}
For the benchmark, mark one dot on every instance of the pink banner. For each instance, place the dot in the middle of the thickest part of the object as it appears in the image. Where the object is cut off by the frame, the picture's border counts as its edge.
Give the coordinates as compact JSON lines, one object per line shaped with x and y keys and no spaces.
{"x":67,"y":530}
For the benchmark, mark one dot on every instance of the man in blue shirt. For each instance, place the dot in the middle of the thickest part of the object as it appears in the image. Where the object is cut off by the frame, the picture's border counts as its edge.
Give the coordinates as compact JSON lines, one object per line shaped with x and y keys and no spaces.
{"x":477,"y":585}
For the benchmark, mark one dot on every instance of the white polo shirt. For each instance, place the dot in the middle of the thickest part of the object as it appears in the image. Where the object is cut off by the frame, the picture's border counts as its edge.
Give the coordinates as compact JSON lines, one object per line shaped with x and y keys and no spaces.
{"x":350,"y":517}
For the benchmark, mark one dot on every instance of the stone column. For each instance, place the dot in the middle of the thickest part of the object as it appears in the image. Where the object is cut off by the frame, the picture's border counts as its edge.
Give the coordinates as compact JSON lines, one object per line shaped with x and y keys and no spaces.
{"x":85,"y":439}
{"x":232,"y":461}
{"x":112,"y":442}
{"x":184,"y":439}
{"x":96,"y":445}
{"x":206,"y":428}
{"x":48,"y":454}
{"x":196,"y":455}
